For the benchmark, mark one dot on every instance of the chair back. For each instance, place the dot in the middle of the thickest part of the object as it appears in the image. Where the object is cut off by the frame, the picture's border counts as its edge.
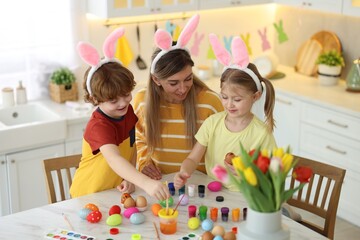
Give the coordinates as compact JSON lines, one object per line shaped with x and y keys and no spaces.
{"x":321,"y":196}
{"x":59,"y":173}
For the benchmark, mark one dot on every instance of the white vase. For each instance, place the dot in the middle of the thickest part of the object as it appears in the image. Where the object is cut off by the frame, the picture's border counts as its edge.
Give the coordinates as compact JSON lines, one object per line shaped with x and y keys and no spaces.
{"x":260,"y":225}
{"x":328,"y":75}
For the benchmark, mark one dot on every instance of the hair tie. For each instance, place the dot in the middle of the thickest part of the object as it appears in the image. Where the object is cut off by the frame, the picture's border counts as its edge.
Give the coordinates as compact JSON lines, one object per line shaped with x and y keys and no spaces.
{"x":239,"y":59}
{"x":163,"y":40}
{"x":89,"y":54}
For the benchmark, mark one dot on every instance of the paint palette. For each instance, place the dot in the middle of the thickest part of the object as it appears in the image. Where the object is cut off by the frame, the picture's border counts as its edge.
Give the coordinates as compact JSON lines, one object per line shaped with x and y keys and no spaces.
{"x":64,"y":234}
{"x":190,"y":236}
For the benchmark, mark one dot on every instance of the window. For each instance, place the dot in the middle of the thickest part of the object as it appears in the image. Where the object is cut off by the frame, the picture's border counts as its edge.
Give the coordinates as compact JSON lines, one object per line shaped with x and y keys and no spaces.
{"x":36,"y":37}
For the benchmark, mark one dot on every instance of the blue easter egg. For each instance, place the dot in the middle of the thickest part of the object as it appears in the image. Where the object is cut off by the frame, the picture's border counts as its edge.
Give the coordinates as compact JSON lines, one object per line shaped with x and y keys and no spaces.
{"x":218,"y":237}
{"x":137,"y":218}
{"x":83,"y":213}
{"x":207,"y":224}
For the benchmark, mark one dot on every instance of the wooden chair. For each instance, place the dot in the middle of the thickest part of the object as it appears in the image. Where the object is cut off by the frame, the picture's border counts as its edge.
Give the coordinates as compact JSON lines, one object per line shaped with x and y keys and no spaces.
{"x":58,"y":170}
{"x":321,"y":196}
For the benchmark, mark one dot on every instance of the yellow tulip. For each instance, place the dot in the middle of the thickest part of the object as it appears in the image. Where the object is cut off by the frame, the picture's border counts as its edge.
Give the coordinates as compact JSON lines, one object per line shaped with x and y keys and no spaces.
{"x":238,"y":164}
{"x":250,"y":176}
{"x":265,"y":153}
{"x":278,"y":152}
{"x":287,"y":160}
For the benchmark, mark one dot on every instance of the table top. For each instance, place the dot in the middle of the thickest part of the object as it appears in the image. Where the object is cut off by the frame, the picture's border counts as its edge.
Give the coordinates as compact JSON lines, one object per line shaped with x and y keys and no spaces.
{"x":36,"y":223}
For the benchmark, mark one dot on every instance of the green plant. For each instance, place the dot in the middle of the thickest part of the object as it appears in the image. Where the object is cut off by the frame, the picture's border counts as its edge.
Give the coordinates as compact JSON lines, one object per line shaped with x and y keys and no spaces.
{"x":62,"y":76}
{"x":331,"y":58}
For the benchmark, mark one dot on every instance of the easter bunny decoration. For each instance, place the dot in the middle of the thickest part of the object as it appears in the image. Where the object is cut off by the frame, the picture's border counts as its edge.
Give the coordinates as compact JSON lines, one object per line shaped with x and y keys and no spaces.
{"x":239,"y":59}
{"x":163,"y":40}
{"x":90,"y":55}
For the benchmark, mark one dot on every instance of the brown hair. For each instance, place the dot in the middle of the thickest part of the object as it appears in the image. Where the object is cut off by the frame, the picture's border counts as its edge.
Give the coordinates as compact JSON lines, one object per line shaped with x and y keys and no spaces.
{"x":239,"y":77}
{"x":108,"y":82}
{"x":168,"y":65}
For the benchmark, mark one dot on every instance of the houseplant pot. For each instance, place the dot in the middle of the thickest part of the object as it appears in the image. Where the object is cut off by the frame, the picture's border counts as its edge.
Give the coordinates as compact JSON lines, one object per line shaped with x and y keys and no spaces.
{"x":329,"y":67}
{"x":63,"y":86}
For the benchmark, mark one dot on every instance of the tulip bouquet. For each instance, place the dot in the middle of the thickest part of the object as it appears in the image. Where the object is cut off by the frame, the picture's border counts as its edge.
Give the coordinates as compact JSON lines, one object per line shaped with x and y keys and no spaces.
{"x":260,"y":175}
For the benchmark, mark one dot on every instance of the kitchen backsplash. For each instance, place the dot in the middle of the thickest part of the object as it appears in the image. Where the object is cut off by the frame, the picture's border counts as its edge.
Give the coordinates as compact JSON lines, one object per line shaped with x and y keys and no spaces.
{"x":258,"y":25}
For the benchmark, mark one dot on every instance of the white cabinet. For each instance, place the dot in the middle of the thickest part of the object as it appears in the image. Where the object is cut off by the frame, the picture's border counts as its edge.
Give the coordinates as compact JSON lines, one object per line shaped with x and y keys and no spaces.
{"x":25,"y":183}
{"x":125,"y":8}
{"x":212,"y":4}
{"x":73,"y":142}
{"x":334,"y":138}
{"x":351,"y":7}
{"x":287,"y":120}
{"x":333,"y":6}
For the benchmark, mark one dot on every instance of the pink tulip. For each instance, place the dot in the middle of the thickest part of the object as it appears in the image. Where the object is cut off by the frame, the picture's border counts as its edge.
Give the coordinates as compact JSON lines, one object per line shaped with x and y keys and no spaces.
{"x":221,"y":173}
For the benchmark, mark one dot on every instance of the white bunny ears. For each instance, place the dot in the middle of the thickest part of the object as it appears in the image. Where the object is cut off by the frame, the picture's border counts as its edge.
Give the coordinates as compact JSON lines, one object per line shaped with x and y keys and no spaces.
{"x":239,"y":59}
{"x":163,"y":40}
{"x":89,"y":54}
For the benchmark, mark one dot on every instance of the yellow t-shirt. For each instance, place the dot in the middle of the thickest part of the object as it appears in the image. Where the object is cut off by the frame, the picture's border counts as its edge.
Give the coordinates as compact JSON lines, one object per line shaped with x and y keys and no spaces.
{"x":174,"y":141}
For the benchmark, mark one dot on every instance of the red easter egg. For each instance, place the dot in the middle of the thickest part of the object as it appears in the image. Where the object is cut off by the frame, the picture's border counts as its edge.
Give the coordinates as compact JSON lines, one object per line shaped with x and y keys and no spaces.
{"x":94,"y":216}
{"x":115,"y":209}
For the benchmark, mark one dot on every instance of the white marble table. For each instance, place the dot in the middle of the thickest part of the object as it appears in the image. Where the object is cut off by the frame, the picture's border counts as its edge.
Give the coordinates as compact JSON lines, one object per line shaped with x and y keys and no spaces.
{"x":35,"y":223}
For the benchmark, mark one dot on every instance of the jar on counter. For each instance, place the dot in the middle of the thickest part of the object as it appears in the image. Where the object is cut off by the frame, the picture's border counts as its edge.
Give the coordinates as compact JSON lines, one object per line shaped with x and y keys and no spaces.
{"x":7,"y":95}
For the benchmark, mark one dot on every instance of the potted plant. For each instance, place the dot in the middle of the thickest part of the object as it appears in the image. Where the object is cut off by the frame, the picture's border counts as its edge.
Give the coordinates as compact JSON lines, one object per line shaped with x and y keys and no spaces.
{"x":329,"y":67}
{"x":63,"y":85}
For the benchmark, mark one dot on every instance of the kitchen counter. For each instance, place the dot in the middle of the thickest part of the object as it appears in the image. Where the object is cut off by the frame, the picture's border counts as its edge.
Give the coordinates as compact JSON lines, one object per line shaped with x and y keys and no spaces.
{"x":309,"y":89}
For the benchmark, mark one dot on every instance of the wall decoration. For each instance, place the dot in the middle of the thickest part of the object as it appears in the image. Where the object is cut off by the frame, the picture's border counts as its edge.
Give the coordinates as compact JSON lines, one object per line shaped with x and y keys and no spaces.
{"x":195,"y":47}
{"x":246,"y":40}
{"x":265,"y":44}
{"x":227,"y":43}
{"x":282,"y":37}
{"x":170,"y":27}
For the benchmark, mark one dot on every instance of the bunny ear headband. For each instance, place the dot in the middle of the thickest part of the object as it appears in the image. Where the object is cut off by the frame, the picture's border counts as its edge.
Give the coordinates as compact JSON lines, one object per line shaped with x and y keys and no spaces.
{"x":163,"y":40}
{"x":239,"y":60}
{"x":89,"y":54}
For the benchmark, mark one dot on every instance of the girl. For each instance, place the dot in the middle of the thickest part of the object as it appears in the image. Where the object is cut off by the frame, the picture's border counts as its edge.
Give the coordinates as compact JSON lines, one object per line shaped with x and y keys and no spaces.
{"x":241,"y":86}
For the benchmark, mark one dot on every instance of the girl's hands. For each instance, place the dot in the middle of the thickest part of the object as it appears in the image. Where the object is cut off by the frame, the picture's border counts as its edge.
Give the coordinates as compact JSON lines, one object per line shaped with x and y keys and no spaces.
{"x":156,"y":189}
{"x":180,"y":179}
{"x":126,"y":186}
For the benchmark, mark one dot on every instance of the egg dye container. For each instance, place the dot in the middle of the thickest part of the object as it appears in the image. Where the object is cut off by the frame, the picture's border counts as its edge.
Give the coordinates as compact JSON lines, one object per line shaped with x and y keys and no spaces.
{"x":214,"y":214}
{"x":171,"y":188}
{"x":201,"y":191}
{"x":182,"y":190}
{"x":203,"y":212}
{"x":235,"y":214}
{"x":191,"y":190}
{"x":168,"y":222}
{"x":192,"y":211}
{"x":225,"y":214}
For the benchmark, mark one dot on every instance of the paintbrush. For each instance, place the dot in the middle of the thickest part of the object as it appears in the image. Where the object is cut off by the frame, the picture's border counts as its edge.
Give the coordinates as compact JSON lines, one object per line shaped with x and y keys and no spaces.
{"x":177,"y":205}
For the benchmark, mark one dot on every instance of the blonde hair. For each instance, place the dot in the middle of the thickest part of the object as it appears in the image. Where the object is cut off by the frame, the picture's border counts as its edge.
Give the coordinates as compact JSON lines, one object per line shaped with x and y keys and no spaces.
{"x":168,"y":65}
{"x":108,"y":82}
{"x":236,"y":76}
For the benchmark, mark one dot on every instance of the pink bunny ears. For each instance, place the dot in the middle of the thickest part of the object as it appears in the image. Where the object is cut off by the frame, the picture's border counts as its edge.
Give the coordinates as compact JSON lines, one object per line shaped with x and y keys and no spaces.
{"x":163,"y":40}
{"x":239,"y":59}
{"x":89,"y":54}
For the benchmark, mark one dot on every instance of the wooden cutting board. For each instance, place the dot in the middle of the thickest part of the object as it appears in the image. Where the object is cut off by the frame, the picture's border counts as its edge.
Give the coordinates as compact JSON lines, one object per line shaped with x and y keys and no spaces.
{"x":306,"y":57}
{"x":328,"y":40}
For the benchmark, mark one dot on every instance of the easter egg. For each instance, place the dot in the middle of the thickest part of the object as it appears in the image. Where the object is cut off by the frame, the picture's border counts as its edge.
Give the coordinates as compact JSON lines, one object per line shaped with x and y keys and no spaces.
{"x":218,"y":230}
{"x":115,"y":209}
{"x":214,"y":186}
{"x":94,"y":216}
{"x":193,"y":223}
{"x":125,"y":196}
{"x":83,"y":213}
{"x":218,"y":237}
{"x":184,"y":199}
{"x":129,"y":202}
{"x":92,"y":207}
{"x":207,"y":236}
{"x":128,"y":212}
{"x":163,"y":202}
{"x":114,"y":220}
{"x":229,"y":236}
{"x":137,"y":218}
{"x":207,"y":224}
{"x":155,"y":208}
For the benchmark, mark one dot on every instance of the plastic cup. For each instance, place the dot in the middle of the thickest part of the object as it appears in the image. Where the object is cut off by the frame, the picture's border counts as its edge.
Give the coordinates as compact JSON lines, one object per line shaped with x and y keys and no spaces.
{"x":168,"y":222}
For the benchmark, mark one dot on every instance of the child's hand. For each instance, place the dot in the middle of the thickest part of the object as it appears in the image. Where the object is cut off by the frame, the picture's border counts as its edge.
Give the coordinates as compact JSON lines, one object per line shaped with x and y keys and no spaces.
{"x":231,"y":167}
{"x":156,"y":189}
{"x":180,"y":179}
{"x":152,"y":171}
{"x":126,"y":186}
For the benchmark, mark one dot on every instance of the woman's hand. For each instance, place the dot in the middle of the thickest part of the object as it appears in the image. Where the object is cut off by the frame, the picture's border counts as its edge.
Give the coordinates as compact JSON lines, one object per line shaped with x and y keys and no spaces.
{"x":152,"y":171}
{"x":180,"y":179}
{"x":126,"y":186}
